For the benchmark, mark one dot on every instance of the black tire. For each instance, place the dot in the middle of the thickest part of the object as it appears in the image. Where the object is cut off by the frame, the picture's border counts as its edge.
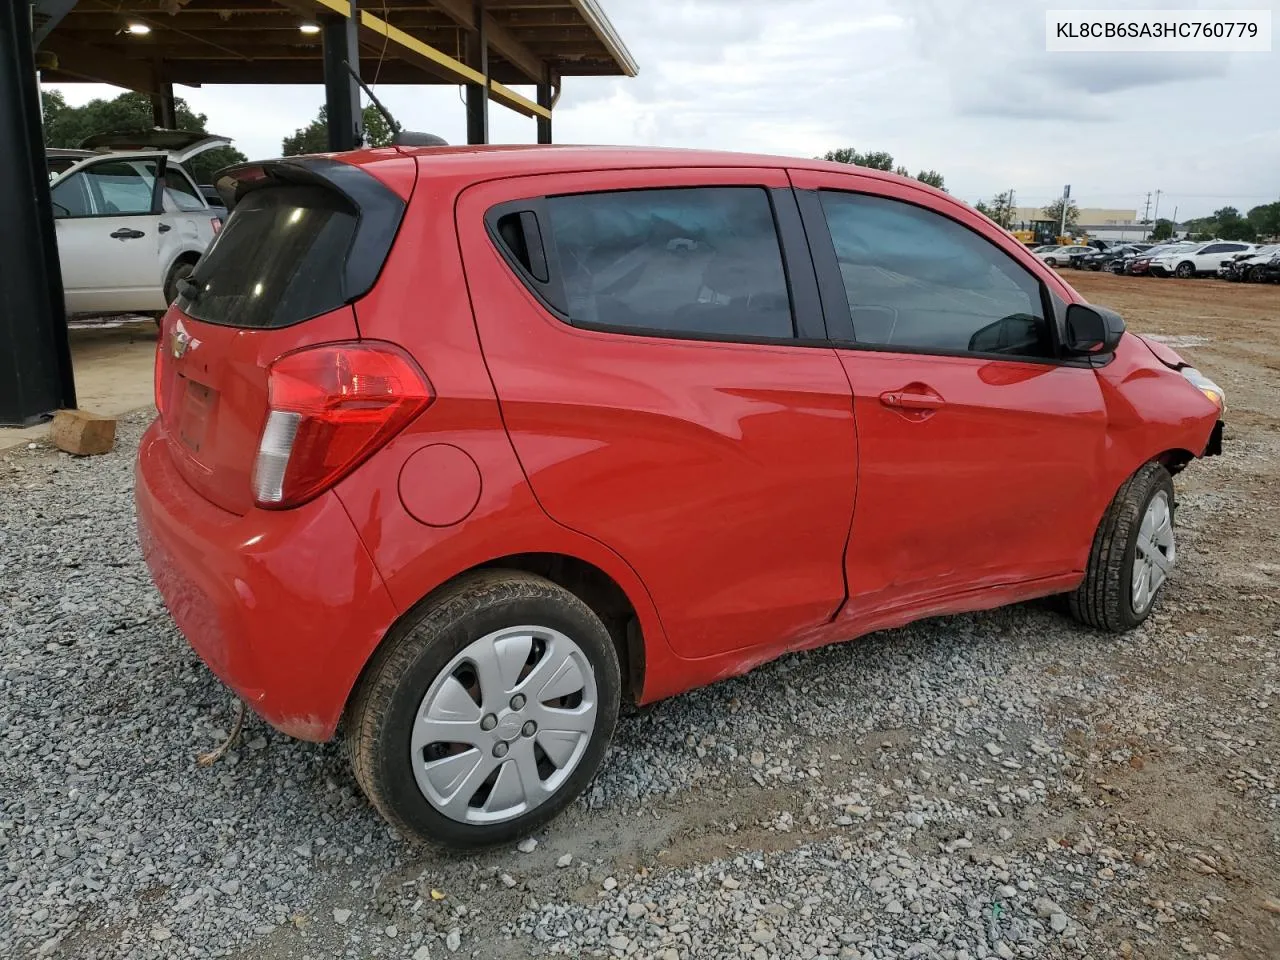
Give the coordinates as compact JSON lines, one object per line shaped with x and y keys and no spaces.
{"x":1185,"y":270}
{"x":1104,"y":599}
{"x":382,"y":712}
{"x":179,"y":271}
{"x":1051,"y":261}
{"x":1095,"y":267}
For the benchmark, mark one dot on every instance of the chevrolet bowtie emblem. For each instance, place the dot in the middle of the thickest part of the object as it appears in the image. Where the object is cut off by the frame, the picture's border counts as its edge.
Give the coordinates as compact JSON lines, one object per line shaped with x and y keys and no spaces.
{"x":179,"y":340}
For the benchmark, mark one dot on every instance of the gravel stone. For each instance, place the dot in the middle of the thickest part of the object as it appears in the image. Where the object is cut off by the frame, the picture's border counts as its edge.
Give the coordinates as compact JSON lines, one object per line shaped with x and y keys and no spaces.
{"x":844,"y":802}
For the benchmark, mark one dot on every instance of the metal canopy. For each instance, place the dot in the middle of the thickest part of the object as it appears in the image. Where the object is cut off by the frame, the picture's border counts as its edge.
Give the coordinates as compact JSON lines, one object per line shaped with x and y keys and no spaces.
{"x":259,"y":41}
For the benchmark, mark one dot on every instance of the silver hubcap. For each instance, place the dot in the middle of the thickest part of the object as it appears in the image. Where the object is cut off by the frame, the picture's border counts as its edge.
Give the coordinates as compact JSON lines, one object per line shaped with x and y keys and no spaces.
{"x":1154,"y":557}
{"x":504,"y":724}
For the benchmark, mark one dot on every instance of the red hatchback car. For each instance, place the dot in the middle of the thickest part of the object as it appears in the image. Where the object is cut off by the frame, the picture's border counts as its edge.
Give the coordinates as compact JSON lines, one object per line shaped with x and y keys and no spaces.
{"x":466,"y":447}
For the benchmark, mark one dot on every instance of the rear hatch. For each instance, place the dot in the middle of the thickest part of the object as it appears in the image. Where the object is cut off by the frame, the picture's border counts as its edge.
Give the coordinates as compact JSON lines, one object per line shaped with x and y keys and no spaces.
{"x":306,"y":238}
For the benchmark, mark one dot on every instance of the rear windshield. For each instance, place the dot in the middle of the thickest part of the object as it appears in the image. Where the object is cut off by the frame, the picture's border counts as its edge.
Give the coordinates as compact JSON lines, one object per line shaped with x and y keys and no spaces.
{"x":278,"y":260}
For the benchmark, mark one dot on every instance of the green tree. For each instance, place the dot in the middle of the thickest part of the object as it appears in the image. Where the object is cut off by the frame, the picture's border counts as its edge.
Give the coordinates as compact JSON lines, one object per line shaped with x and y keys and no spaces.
{"x":1000,"y":209}
{"x":932,"y":177}
{"x":66,"y":126}
{"x":1053,"y":211}
{"x":1229,"y":225}
{"x":1265,"y":219}
{"x":314,"y":138}
{"x":880,"y":160}
{"x":1163,"y":230}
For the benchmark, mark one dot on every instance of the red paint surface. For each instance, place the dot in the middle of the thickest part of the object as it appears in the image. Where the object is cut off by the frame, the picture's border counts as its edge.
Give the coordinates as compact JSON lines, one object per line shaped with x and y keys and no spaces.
{"x":716,"y":484}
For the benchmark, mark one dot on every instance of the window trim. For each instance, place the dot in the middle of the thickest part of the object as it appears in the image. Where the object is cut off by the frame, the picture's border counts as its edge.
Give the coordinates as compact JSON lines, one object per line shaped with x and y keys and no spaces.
{"x":839,"y":315}
{"x":157,"y":205}
{"x":808,"y":323}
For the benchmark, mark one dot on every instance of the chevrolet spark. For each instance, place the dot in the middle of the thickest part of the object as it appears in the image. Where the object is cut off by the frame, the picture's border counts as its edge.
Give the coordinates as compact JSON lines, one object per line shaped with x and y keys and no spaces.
{"x":461,"y":450}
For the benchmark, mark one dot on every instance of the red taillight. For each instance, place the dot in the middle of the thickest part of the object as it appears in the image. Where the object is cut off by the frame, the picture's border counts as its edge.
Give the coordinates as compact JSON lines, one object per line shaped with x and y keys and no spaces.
{"x":329,"y":408}
{"x":216,"y":223}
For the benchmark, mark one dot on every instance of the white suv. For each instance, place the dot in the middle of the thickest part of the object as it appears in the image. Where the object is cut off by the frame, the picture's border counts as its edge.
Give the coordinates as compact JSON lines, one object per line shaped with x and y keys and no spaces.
{"x":1192,"y":261}
{"x":131,"y":223}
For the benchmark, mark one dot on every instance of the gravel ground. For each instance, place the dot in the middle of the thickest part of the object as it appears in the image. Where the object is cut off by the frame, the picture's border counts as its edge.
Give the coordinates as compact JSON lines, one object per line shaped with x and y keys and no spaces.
{"x":1004,"y":784}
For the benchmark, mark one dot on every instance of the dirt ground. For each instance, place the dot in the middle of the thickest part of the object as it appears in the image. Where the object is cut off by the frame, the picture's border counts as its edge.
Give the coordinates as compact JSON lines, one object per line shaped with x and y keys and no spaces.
{"x":1231,"y":332}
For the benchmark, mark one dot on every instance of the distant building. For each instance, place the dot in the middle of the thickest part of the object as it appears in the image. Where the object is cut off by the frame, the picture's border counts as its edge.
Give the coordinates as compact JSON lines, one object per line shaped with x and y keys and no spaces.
{"x":1096,"y":221}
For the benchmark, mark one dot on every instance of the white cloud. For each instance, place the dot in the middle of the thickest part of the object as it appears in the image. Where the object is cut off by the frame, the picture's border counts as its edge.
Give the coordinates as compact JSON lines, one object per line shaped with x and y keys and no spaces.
{"x":962,"y":86}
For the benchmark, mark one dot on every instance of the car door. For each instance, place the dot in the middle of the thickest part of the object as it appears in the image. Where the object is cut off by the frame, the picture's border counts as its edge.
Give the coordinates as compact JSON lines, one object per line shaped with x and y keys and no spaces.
{"x":1212,"y":256}
{"x":657,"y":347}
{"x":186,"y":224}
{"x":107,"y":218}
{"x":980,"y":452}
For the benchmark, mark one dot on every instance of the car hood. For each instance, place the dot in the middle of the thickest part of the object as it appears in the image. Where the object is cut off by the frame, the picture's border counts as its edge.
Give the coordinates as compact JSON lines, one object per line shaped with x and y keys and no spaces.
{"x":1166,"y":355}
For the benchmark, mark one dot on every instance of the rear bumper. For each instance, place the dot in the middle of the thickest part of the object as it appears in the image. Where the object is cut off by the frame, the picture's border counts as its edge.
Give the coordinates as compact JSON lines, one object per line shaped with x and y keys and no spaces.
{"x":284,"y":606}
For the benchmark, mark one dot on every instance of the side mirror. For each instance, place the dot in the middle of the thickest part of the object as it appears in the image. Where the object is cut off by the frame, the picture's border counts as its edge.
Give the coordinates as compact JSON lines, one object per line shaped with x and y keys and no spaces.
{"x":1092,"y":330}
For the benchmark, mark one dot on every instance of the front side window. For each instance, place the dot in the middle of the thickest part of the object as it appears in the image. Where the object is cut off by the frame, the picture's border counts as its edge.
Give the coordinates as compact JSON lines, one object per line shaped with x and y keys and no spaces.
{"x":122,"y":187}
{"x":71,"y":197}
{"x":701,"y":261}
{"x":919,"y":281}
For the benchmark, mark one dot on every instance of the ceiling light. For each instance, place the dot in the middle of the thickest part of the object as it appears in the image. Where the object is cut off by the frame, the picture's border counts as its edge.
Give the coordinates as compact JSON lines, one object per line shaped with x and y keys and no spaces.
{"x":138,"y":29}
{"x":309,"y":28}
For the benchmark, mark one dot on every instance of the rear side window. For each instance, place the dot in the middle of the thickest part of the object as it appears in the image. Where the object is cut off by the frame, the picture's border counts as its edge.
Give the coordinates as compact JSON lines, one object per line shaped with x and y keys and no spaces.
{"x":180,"y":191}
{"x":700,"y":262}
{"x":919,"y":281}
{"x":279,"y":259}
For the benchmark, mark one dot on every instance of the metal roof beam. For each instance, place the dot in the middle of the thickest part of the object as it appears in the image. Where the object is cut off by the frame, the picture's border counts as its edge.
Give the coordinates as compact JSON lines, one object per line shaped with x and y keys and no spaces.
{"x":90,"y":63}
{"x":498,"y":37}
{"x":424,"y":55}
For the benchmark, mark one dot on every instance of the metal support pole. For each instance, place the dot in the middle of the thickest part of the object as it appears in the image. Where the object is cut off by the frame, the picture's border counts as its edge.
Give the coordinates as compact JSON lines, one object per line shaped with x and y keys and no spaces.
{"x":35,"y":363}
{"x":544,"y":123}
{"x":163,"y":113}
{"x":478,"y":96}
{"x":341,"y":92}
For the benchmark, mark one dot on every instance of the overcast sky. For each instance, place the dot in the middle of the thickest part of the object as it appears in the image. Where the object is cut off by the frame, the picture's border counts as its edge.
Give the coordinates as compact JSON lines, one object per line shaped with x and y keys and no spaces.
{"x":962,"y":86}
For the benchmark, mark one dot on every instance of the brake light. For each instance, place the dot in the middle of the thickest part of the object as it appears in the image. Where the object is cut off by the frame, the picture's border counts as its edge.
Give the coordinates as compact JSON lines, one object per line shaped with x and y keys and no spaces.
{"x":216,"y":223}
{"x":330,"y":407}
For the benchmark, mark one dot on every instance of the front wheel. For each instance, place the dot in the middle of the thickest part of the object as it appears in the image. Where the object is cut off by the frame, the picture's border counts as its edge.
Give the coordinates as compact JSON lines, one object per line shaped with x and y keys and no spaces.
{"x":1051,"y":261}
{"x":1132,"y":555}
{"x":487,"y":713}
{"x":1185,"y":271}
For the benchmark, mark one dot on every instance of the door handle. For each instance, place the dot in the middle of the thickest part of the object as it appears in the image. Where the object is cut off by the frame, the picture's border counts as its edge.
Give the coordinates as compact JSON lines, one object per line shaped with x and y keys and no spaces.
{"x":163,"y":228}
{"x":126,"y":233}
{"x":912,"y":399}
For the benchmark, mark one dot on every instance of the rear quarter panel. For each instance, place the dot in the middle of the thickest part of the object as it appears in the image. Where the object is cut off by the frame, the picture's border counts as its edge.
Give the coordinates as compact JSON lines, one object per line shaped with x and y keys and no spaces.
{"x":421,"y":303}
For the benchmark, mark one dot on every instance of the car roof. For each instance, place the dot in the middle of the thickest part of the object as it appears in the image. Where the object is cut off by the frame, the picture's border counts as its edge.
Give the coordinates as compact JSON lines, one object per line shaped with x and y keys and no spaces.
{"x":497,"y":160}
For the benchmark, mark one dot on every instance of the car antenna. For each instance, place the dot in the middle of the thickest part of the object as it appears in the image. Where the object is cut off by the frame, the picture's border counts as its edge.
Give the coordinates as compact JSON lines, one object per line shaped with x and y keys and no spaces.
{"x":399,"y":136}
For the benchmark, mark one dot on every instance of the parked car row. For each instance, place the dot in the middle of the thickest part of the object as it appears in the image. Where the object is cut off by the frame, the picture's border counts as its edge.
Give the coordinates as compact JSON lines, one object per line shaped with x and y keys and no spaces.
{"x":1258,"y":266}
{"x":1230,"y":259}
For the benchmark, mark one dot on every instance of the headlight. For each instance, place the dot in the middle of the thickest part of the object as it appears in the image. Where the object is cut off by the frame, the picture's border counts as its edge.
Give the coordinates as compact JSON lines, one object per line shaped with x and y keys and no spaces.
{"x":1205,"y":386}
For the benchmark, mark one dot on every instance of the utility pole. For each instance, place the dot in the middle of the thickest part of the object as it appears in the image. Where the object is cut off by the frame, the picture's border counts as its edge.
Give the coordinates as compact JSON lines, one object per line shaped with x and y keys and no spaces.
{"x":1175,"y":223}
{"x":1157,"y":204}
{"x":1146,"y":210}
{"x":1066,"y":195}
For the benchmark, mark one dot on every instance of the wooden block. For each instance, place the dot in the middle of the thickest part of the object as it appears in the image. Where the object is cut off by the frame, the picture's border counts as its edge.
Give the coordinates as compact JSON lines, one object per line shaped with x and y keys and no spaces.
{"x":82,"y":433}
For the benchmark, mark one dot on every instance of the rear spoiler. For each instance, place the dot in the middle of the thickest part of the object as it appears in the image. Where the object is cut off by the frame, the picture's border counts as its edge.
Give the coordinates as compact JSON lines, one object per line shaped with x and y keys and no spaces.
{"x":378,"y":209}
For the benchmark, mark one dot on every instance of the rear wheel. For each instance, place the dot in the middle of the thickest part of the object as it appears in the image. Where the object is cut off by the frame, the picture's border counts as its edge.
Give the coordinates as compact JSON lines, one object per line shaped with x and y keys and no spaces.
{"x":180,"y":271}
{"x":488,"y":713}
{"x":1132,"y":555}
